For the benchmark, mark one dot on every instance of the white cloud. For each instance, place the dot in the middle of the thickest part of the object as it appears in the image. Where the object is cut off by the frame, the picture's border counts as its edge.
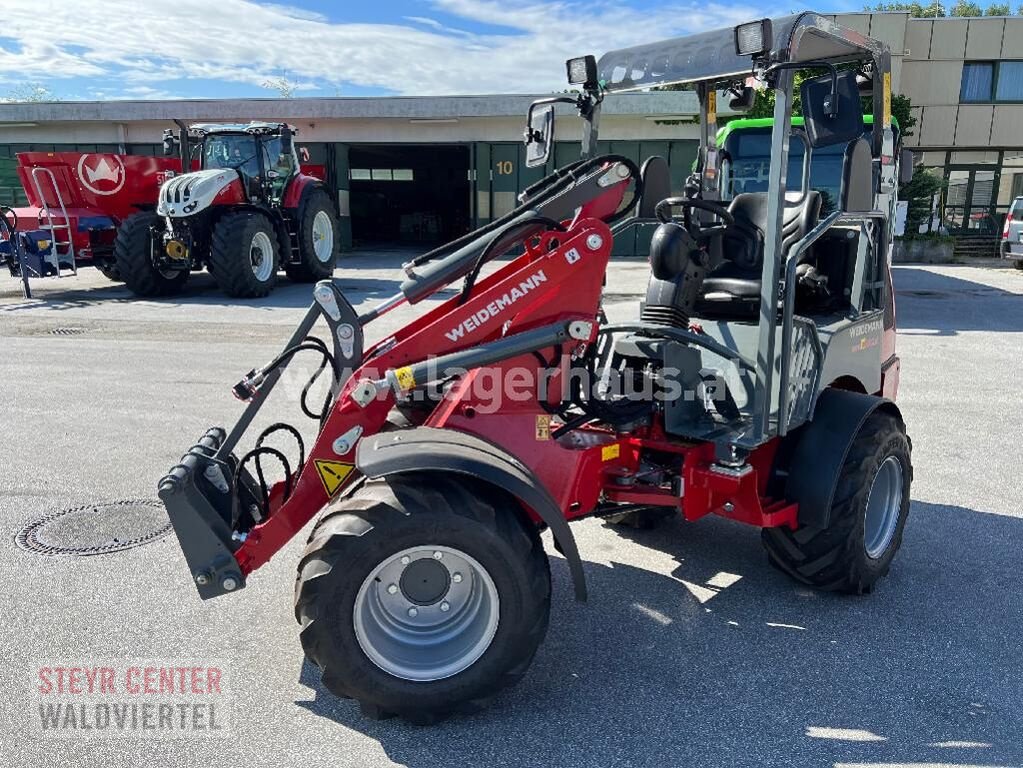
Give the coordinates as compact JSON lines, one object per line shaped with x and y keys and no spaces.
{"x":241,"y":41}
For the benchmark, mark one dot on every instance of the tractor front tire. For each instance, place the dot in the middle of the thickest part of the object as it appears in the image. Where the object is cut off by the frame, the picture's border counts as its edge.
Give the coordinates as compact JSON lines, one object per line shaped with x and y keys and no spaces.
{"x":422,"y":596}
{"x":133,"y":258}
{"x":868,"y":514}
{"x":319,"y":238}
{"x":110,"y":271}
{"x":245,"y":254}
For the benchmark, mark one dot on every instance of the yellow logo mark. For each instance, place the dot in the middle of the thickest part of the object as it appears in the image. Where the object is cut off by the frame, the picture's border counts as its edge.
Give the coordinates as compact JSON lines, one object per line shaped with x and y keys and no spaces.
{"x":609,"y":452}
{"x":332,"y":474}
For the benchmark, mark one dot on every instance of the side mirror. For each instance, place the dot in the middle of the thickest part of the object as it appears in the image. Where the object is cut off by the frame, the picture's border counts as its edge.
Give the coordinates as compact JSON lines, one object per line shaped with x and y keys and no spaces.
{"x":169,"y":144}
{"x":744,"y":100}
{"x":906,"y":166}
{"x":539,"y":135}
{"x":286,"y":140}
{"x":831,"y":117}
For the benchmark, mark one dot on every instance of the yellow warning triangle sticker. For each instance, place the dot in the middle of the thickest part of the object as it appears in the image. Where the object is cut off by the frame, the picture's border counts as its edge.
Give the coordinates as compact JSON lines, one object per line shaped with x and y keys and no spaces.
{"x":332,"y":474}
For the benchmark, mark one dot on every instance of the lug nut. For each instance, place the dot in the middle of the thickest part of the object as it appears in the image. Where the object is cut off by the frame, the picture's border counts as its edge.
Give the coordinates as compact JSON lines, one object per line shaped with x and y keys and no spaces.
{"x":413,"y":612}
{"x":229,"y":583}
{"x":392,"y":589}
{"x":445,"y":606}
{"x":202,"y":579}
{"x":405,"y":560}
{"x":438,"y":555}
{"x":457,"y":578}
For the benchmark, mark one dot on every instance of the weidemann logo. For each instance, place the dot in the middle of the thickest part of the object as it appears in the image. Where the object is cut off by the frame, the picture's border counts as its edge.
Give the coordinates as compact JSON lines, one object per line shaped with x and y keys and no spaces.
{"x":497,"y":306}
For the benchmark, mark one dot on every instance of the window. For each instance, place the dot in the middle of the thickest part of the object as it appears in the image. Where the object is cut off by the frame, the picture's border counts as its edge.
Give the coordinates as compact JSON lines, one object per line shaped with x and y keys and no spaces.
{"x":359,"y":174}
{"x":1010,"y":81}
{"x":978,"y":77}
{"x":381,"y":174}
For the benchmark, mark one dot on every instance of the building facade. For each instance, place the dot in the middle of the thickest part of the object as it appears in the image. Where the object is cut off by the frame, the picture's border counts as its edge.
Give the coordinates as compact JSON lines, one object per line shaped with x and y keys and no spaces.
{"x":404,"y":170}
{"x":964,"y":78}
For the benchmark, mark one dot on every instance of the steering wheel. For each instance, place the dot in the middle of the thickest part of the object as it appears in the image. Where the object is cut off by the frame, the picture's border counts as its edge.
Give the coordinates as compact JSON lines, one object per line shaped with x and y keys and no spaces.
{"x":663,"y":212}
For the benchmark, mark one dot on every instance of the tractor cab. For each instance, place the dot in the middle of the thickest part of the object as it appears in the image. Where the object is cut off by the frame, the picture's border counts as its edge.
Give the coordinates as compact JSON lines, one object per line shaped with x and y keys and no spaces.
{"x":262,"y":154}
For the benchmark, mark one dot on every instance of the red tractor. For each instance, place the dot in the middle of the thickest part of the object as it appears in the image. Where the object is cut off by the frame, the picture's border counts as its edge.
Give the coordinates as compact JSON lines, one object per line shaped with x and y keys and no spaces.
{"x":248,"y":211}
{"x":757,"y":383}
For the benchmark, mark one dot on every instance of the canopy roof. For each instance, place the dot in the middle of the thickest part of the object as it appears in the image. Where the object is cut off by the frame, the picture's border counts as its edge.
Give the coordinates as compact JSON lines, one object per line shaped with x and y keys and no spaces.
{"x":711,"y":57}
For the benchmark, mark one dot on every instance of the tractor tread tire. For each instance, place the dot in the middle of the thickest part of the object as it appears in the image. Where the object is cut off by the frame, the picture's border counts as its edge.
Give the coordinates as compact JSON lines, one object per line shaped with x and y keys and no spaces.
{"x":381,"y":517}
{"x":310,"y":269}
{"x":834,"y":558}
{"x":132,"y":262}
{"x":229,"y":254}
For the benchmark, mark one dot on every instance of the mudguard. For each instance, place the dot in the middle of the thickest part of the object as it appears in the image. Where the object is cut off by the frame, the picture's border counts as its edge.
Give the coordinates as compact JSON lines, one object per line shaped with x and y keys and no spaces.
{"x":425,"y":449}
{"x":821,"y":448}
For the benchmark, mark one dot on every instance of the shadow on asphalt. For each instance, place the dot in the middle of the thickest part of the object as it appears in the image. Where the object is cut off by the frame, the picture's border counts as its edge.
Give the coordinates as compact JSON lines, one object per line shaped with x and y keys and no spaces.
{"x":684,"y":670}
{"x":923,"y":310}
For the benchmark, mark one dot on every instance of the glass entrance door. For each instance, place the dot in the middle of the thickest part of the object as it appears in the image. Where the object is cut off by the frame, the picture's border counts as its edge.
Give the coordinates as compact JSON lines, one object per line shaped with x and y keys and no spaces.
{"x":969,"y":201}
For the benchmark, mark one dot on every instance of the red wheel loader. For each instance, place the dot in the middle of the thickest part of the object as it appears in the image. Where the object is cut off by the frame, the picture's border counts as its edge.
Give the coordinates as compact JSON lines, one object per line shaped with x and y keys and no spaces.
{"x":757,"y":382}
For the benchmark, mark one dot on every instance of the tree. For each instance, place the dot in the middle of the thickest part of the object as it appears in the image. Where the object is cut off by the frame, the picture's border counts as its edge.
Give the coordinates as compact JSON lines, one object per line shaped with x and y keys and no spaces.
{"x":998,"y":9}
{"x":964,"y":9}
{"x":33,"y":92}
{"x":917,"y":10}
{"x":281,"y":84}
{"x":919,"y":194}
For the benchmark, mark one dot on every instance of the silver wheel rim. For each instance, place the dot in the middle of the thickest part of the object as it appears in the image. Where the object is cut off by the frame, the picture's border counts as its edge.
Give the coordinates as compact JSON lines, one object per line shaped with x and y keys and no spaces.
{"x":323,"y":237}
{"x":884,"y":505}
{"x":261,"y":256}
{"x":426,"y":613}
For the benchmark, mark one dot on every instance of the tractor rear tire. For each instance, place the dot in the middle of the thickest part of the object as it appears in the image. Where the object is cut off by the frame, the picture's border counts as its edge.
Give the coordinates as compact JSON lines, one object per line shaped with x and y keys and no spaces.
{"x":133,"y":258}
{"x":368,"y":637}
{"x":245,"y":254}
{"x":868,"y":515}
{"x":319,"y":238}
{"x":1019,"y":264}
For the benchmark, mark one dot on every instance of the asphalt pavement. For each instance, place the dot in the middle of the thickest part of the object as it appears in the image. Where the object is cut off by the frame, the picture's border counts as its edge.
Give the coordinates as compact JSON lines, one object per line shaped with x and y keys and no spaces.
{"x":692,"y":651}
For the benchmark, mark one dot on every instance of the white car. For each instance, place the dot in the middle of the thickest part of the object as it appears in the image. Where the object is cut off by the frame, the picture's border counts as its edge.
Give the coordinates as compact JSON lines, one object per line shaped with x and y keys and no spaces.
{"x":1012,"y":233}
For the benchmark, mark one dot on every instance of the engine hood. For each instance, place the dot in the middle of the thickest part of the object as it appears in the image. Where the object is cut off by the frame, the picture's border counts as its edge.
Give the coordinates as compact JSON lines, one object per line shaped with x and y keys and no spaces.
{"x":189,"y":193}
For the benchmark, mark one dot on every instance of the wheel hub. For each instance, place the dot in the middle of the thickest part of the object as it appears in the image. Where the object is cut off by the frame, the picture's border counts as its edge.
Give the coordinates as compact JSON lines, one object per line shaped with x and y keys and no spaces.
{"x":426,"y":613}
{"x":424,"y":581}
{"x":884,"y":505}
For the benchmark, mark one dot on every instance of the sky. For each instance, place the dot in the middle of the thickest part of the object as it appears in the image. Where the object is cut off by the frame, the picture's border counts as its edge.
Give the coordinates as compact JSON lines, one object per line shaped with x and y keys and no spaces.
{"x":167,"y":49}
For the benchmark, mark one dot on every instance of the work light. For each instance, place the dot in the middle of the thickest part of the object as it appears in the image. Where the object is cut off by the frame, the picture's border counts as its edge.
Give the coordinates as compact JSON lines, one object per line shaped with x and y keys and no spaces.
{"x":582,"y":71}
{"x":753,"y":38}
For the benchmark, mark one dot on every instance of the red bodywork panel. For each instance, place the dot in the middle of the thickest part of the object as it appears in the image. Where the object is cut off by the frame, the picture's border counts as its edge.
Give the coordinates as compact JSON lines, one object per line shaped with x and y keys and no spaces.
{"x":557,"y":281}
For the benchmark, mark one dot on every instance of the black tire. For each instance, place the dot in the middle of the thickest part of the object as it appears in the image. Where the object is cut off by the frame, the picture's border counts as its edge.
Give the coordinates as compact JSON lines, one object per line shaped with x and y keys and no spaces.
{"x":1019,"y":264}
{"x":385,"y":517}
{"x":232,"y":254}
{"x":310,"y":268}
{"x":835,"y":558}
{"x":133,"y":260}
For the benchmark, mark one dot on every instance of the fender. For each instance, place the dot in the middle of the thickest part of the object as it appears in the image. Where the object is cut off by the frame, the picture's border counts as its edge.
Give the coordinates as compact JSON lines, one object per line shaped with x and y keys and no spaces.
{"x":821,"y":448}
{"x":297,"y":189}
{"x":425,"y":449}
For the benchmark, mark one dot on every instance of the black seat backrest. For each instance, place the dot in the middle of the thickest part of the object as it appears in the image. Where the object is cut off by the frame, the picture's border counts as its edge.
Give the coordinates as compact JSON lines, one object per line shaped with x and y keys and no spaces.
{"x":744,"y":240}
{"x":857,"y":191}
{"x":656,"y":178}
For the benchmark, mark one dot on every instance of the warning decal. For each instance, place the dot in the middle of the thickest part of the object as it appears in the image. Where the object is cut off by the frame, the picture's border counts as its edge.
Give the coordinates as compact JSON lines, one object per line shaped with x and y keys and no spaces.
{"x":332,"y":474}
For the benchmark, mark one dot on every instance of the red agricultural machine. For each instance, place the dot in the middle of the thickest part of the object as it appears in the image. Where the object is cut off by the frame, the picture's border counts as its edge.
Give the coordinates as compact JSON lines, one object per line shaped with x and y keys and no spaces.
{"x":142,"y":221}
{"x":248,"y":210}
{"x":757,"y":383}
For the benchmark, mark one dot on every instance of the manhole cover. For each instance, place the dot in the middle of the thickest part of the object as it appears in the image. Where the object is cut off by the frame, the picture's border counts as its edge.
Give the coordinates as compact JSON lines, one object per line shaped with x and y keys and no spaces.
{"x":95,"y":529}
{"x":67,"y":331}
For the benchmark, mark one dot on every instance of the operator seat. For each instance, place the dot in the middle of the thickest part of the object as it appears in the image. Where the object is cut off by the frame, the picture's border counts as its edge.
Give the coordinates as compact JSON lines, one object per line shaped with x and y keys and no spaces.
{"x":733,"y":288}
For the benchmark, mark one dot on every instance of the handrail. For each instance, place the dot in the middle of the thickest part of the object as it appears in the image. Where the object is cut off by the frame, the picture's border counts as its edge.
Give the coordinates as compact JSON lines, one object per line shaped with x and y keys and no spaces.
{"x":44,"y":208}
{"x":788,"y":313}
